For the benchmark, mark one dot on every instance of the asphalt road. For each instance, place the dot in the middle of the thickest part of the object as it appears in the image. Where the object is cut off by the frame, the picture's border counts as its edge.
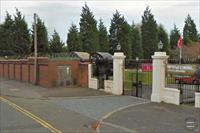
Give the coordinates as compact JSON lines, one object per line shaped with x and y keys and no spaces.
{"x":15,"y":121}
{"x":29,"y":108}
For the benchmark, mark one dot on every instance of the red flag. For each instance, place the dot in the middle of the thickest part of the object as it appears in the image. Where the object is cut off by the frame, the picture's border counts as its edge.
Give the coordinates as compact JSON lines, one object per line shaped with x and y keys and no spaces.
{"x":180,"y":42}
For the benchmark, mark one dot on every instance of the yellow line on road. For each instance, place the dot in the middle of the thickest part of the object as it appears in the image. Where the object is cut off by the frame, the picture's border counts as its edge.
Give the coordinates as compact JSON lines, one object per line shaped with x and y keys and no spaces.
{"x":30,"y":115}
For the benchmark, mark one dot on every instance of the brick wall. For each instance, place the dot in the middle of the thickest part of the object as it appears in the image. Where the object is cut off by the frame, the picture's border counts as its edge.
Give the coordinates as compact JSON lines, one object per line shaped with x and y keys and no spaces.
{"x":25,"y":74}
{"x":1,"y":70}
{"x":11,"y":71}
{"x":83,"y":78}
{"x":23,"y":70}
{"x":53,"y":70}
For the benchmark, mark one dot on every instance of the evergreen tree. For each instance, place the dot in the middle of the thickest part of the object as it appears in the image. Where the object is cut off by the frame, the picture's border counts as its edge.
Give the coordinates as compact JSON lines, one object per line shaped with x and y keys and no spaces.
{"x":136,"y":43}
{"x":73,"y":39}
{"x":55,"y":43}
{"x":163,"y":37}
{"x":120,"y":33}
{"x":88,"y":31}
{"x":189,"y":30}
{"x":21,"y":35}
{"x":174,"y":36}
{"x":103,"y":37}
{"x":42,"y":37}
{"x":149,"y":33}
{"x":6,"y":36}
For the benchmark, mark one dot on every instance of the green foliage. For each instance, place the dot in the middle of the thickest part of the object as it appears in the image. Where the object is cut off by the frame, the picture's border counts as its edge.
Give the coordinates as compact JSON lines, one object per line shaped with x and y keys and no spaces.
{"x":14,"y":36}
{"x":65,"y":49}
{"x":174,"y":36}
{"x":55,"y":43}
{"x":42,"y":37}
{"x":21,"y":35}
{"x":73,"y":39}
{"x":149,"y":33}
{"x":136,"y":43}
{"x":88,"y":31}
{"x":103,"y":37}
{"x":6,"y":36}
{"x":120,"y":33}
{"x":163,"y":37}
{"x":189,"y":30}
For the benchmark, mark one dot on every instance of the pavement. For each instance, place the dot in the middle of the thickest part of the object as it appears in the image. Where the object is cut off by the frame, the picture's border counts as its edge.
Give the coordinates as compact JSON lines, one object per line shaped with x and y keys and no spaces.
{"x":86,"y":110}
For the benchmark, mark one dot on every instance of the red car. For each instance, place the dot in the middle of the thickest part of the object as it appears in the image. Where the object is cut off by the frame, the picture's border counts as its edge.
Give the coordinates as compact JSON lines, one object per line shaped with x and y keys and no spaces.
{"x":195,"y":79}
{"x":187,"y":80}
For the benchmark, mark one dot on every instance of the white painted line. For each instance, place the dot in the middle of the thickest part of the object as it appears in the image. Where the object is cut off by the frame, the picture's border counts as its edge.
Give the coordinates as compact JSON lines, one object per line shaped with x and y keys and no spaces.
{"x":114,"y":111}
{"x":120,"y":127}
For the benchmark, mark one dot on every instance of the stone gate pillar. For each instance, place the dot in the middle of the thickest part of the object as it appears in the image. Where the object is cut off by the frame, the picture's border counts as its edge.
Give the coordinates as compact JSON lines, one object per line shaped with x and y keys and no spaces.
{"x":118,"y":63}
{"x":159,"y":63}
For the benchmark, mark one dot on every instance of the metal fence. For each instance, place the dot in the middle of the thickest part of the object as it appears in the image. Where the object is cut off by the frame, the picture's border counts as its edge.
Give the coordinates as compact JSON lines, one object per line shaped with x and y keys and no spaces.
{"x":180,"y":75}
{"x":138,"y":78}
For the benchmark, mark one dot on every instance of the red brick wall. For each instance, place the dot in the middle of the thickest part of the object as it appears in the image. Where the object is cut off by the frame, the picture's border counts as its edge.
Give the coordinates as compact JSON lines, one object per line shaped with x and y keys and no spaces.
{"x":44,"y":75}
{"x":53,"y":70}
{"x":25,"y":72}
{"x":11,"y":71}
{"x":1,"y":70}
{"x":31,"y":74}
{"x":6,"y":70}
{"x":17,"y":72}
{"x":47,"y":71}
{"x":83,"y":78}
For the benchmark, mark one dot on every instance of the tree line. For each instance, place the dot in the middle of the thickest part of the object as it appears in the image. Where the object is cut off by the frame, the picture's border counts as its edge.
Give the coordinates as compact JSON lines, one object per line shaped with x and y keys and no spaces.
{"x":136,"y":40}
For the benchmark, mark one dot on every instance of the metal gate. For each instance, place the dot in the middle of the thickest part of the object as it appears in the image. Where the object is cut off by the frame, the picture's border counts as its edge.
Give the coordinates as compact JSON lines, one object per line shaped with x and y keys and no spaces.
{"x":188,"y":92}
{"x":182,"y":76}
{"x":138,"y":78}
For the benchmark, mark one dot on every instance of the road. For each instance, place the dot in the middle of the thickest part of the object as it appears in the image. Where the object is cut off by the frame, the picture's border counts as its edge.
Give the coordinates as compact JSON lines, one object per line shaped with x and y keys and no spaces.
{"x":29,"y":108}
{"x":14,"y":121}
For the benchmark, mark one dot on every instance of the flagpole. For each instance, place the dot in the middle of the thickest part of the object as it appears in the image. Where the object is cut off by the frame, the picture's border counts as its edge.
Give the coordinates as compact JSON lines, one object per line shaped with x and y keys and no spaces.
{"x":180,"y":55}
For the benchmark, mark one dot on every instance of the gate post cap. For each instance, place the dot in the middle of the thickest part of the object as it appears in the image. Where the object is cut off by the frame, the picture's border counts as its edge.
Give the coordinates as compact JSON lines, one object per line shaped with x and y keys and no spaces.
{"x":119,"y":55}
{"x":160,"y":55}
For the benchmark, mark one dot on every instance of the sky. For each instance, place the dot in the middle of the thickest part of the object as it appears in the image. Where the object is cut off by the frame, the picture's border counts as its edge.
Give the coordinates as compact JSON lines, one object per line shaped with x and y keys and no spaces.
{"x":59,"y":15}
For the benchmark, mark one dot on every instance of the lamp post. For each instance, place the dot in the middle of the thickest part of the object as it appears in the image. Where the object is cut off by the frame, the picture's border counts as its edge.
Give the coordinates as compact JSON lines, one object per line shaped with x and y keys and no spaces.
{"x":160,"y":46}
{"x":35,"y":49}
{"x":119,"y":47}
{"x":137,"y":72}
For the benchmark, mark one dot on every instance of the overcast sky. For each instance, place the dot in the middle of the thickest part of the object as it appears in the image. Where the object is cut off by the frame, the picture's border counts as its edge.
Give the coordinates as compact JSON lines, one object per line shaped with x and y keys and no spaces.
{"x":59,"y":15}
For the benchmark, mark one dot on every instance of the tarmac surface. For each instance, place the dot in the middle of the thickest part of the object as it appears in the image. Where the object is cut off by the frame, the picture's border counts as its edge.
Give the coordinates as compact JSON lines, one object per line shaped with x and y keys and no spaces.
{"x":87,"y":110}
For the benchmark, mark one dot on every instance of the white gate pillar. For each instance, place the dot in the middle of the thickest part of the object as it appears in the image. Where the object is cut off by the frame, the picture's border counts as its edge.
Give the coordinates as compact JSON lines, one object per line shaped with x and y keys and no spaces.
{"x":118,"y":63}
{"x":159,"y":62}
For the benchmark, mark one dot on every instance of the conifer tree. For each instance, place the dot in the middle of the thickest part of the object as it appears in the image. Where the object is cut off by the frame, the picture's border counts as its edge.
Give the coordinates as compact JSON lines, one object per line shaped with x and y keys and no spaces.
{"x":136,"y":43}
{"x":73,"y":39}
{"x":103,"y":37}
{"x":55,"y":43}
{"x":21,"y":35}
{"x":42,"y":37}
{"x":120,"y":34}
{"x":88,"y":31}
{"x":189,"y":30}
{"x":174,"y":36}
{"x":6,"y":36}
{"x":163,"y":37}
{"x":149,"y":33}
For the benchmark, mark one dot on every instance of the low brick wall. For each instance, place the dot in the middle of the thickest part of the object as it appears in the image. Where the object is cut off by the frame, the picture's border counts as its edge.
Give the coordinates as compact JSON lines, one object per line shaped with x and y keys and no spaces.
{"x":23,"y":70}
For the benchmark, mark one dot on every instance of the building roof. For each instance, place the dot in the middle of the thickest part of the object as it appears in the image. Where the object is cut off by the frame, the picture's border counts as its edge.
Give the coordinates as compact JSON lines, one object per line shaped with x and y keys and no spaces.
{"x":81,"y":55}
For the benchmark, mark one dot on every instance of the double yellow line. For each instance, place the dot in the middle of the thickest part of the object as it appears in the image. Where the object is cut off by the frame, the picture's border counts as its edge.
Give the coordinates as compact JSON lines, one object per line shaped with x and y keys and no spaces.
{"x":30,"y":115}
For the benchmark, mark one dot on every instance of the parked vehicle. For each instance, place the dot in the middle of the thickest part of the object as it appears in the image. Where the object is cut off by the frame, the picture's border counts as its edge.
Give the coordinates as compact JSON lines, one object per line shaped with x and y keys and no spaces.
{"x":195,"y":79}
